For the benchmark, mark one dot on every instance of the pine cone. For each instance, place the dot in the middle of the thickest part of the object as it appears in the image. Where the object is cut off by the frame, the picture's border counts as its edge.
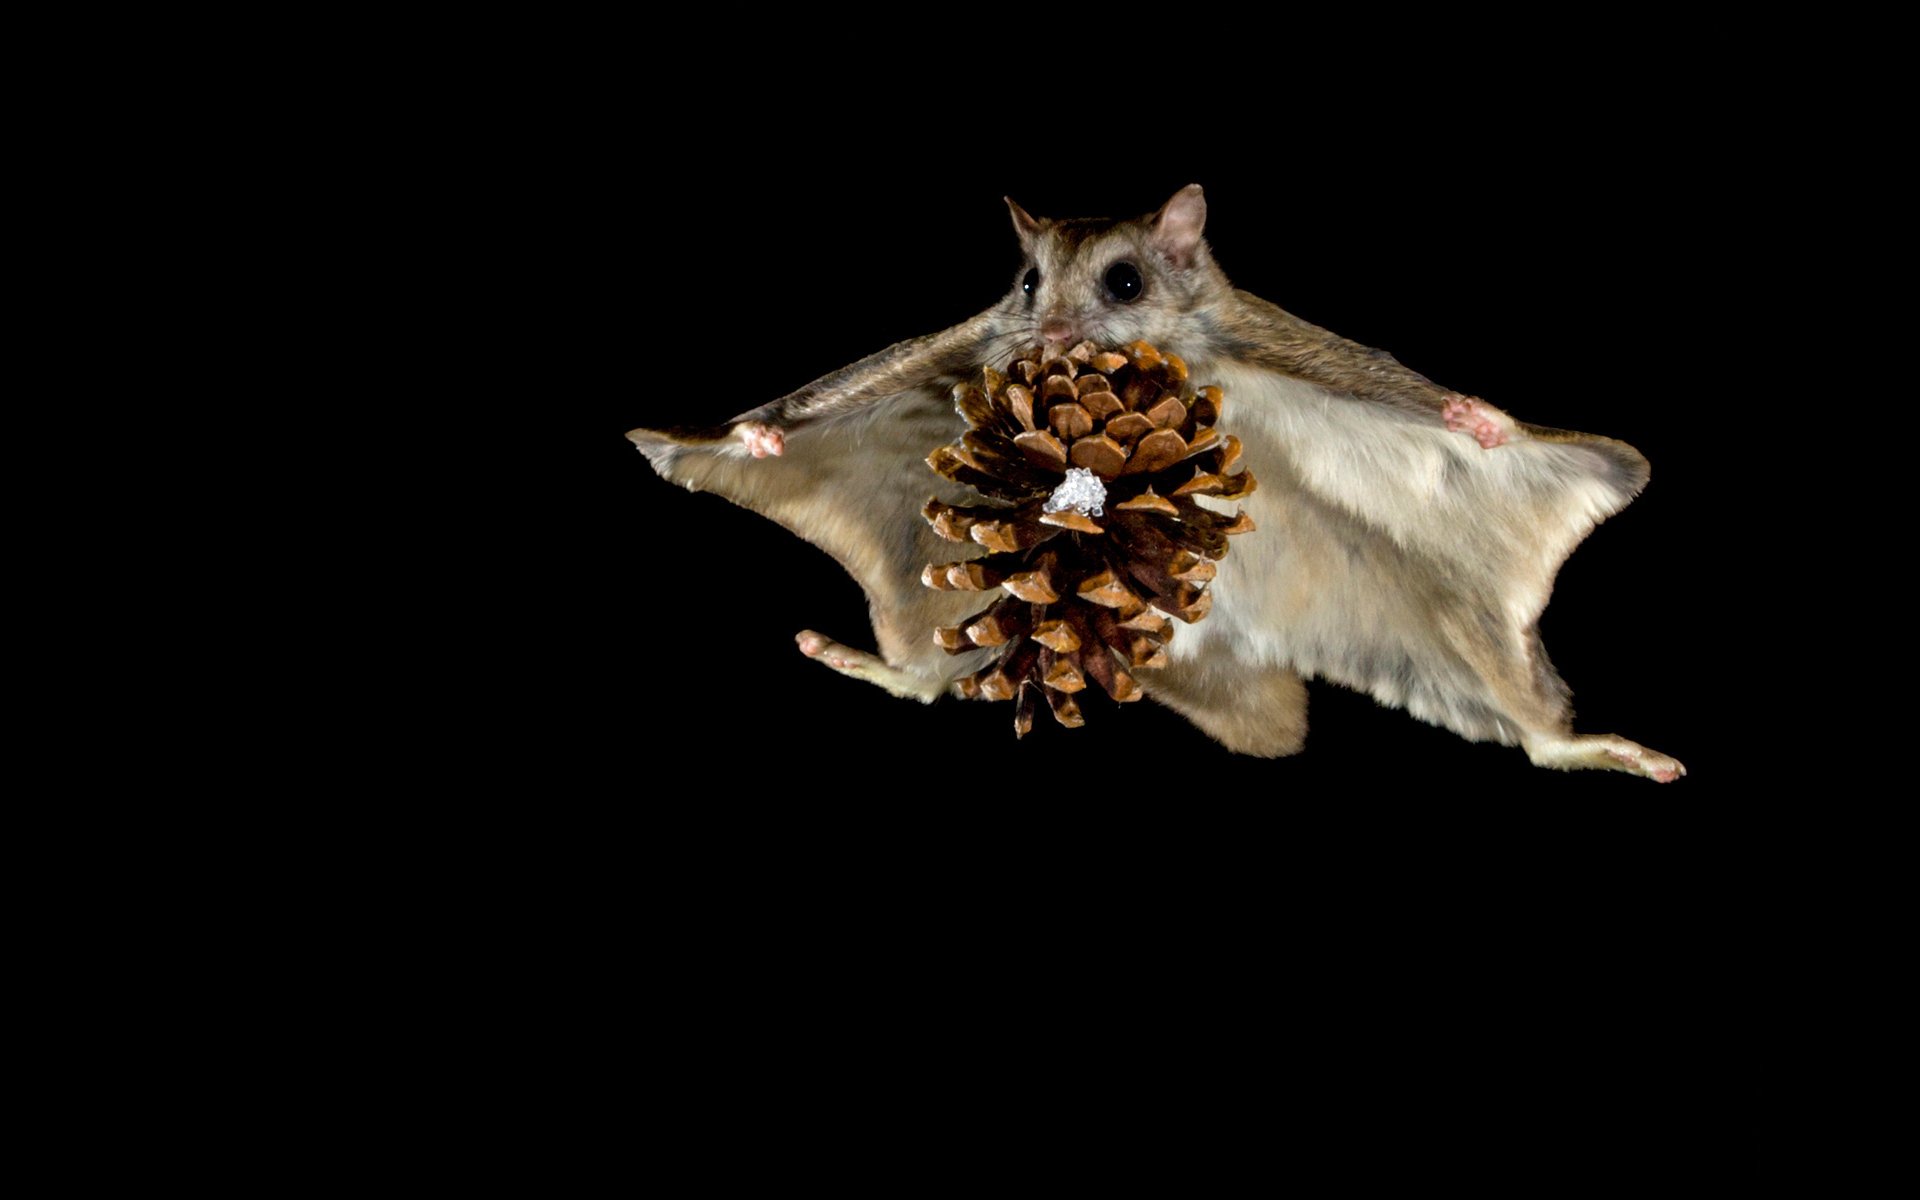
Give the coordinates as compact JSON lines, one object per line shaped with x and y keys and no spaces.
{"x":1116,"y":435}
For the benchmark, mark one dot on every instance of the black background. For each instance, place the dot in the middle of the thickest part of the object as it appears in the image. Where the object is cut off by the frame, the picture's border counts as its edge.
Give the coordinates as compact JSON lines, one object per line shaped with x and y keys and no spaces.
{"x":1568,"y":280}
{"x":673,"y":804}
{"x":670,"y":794}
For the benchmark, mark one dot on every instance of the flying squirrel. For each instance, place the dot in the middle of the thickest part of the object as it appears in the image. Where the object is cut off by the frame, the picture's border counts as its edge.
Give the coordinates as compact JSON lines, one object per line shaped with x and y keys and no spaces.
{"x":1407,"y":536}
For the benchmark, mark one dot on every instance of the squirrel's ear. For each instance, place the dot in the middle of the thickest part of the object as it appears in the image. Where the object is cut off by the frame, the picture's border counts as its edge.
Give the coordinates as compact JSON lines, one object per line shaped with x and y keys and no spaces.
{"x":1177,"y":226}
{"x":1023,"y":225}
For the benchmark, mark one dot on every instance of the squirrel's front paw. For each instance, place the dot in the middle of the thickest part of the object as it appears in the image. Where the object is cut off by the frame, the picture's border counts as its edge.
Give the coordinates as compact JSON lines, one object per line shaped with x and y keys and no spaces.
{"x":759,"y":439}
{"x":1487,"y":424}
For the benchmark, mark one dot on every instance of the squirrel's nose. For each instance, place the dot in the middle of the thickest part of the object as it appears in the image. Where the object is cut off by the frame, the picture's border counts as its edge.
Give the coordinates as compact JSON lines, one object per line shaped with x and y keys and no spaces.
{"x":1058,"y":329}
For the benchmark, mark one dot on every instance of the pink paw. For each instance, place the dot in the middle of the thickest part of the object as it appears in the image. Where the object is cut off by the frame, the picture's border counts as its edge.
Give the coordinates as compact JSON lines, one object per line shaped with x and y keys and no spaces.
{"x":1488,"y":425}
{"x":760,"y":439}
{"x":824,"y":648}
{"x":1650,"y":763}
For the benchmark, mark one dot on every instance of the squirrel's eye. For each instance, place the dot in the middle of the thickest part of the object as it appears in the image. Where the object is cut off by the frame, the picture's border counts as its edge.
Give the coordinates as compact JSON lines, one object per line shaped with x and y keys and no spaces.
{"x":1123,"y":282}
{"x":1031,"y":283}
